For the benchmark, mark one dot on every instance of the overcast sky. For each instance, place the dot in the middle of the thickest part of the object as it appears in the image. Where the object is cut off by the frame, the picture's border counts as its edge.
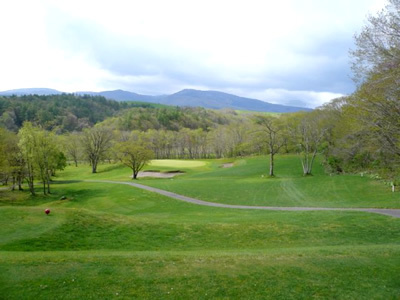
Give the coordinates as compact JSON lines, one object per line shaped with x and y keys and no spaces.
{"x":292,"y":52}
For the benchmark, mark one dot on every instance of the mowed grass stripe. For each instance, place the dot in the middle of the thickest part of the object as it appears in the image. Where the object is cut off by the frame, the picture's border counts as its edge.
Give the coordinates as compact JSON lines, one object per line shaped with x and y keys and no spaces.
{"x":293,"y":274}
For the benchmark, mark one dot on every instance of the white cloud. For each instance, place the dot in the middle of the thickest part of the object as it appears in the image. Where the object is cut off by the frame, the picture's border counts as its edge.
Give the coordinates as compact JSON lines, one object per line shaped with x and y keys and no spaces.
{"x":309,"y":99}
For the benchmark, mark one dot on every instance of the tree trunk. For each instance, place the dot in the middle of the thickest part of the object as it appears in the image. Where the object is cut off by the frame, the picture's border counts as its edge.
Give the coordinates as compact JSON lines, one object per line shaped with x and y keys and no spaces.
{"x":32,"y":188}
{"x":135,"y":175}
{"x":306,"y":167}
{"x":93,"y":163}
{"x":30,"y":180}
{"x":44,"y":187}
{"x":309,"y":163}
{"x":13,"y":183}
{"x":312,"y":162}
{"x":302,"y":160}
{"x":271,"y":164}
{"x":48,"y":184}
{"x":20,"y":183}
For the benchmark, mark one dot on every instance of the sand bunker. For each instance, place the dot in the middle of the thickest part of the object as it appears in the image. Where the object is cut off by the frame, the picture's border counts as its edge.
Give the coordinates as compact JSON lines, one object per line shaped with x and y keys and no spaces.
{"x":158,"y":174}
{"x":227,"y":165}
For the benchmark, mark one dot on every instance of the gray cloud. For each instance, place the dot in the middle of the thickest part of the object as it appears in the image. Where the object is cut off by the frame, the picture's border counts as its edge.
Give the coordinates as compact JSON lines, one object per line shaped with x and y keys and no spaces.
{"x":301,"y":71}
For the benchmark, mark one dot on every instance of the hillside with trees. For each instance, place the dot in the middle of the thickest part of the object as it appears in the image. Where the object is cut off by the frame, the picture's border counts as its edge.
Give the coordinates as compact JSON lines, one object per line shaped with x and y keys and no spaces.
{"x":63,"y":113}
{"x":68,"y":112}
{"x":184,"y":98}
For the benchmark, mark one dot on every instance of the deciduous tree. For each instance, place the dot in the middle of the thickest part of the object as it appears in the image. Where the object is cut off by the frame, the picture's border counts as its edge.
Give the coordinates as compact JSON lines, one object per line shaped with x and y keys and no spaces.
{"x":308,"y":130}
{"x":72,"y":145}
{"x":95,"y":143}
{"x":133,"y":155}
{"x":41,"y":154}
{"x":378,"y":44}
{"x":274,"y":136}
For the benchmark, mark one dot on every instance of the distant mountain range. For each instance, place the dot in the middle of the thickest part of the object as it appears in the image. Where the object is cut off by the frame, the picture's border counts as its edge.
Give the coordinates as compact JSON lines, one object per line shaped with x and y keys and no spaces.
{"x":188,"y":97}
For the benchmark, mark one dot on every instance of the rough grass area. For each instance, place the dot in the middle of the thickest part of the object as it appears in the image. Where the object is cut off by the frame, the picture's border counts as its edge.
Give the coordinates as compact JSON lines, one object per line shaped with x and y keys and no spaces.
{"x":107,"y":241}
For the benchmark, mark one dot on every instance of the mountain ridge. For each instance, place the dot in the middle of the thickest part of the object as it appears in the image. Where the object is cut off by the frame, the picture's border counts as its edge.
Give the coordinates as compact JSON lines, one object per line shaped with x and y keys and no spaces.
{"x":185,"y":97}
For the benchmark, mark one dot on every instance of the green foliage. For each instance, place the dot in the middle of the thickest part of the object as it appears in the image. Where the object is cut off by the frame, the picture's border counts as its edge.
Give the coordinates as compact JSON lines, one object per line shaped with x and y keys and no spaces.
{"x":12,"y":163}
{"x":133,"y":155}
{"x":333,"y":164}
{"x":96,"y":142}
{"x":377,"y":45}
{"x":41,"y":154}
{"x":366,"y":135}
{"x":170,"y":118}
{"x":72,"y":146}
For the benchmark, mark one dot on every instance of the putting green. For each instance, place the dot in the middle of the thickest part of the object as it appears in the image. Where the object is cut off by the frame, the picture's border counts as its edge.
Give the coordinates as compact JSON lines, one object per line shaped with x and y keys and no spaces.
{"x":175,"y":163}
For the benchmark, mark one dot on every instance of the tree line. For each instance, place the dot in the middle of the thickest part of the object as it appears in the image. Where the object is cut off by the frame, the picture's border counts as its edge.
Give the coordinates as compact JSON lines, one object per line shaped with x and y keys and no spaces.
{"x":35,"y":154}
{"x":366,"y":136}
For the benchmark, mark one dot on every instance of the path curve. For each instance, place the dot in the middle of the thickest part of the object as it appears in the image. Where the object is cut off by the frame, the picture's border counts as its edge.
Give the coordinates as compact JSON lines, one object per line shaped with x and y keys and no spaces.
{"x":383,"y":211}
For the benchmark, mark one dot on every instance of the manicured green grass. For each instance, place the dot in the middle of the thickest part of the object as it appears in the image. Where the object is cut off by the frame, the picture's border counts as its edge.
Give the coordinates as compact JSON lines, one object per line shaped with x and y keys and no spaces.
{"x":107,"y":216}
{"x":247,"y":183}
{"x":176,"y":163}
{"x":110,"y":241}
{"x":322,"y":273}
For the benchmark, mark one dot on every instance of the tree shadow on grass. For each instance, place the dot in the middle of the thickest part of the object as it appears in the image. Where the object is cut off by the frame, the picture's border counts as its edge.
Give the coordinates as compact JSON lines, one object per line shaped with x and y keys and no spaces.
{"x":66,"y":181}
{"x":111,"y":168}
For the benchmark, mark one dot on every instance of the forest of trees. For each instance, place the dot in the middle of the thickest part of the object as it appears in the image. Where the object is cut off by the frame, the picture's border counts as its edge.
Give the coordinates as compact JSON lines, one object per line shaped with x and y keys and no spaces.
{"x":63,"y":113}
{"x":69,"y":112}
{"x":356,"y":133}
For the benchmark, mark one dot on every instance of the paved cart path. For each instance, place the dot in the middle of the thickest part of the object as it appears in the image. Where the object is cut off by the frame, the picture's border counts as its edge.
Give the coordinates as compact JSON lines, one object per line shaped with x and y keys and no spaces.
{"x":384,"y":211}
